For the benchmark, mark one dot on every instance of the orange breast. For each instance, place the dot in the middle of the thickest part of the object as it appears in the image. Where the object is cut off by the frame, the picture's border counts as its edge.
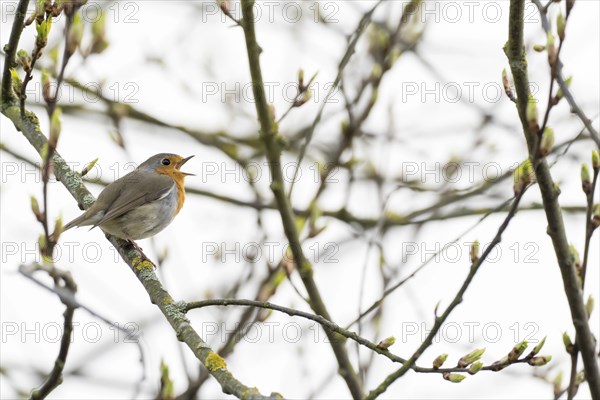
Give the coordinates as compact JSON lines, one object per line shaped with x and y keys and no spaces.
{"x":180,"y":193}
{"x":178,"y":177}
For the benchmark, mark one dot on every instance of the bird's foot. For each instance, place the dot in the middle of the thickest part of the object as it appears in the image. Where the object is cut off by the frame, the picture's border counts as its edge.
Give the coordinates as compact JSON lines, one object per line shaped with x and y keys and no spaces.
{"x":143,"y":259}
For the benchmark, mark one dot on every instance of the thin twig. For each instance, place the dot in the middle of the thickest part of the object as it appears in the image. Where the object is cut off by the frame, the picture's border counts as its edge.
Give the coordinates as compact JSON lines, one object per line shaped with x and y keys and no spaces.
{"x":557,"y":72}
{"x":55,"y":377}
{"x":439,"y":320}
{"x":589,"y":232}
{"x":362,"y":25}
{"x":268,"y":133}
{"x":331,"y":326}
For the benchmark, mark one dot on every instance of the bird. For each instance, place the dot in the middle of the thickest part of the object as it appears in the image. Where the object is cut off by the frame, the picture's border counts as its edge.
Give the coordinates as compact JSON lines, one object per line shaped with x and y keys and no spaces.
{"x":140,"y":204}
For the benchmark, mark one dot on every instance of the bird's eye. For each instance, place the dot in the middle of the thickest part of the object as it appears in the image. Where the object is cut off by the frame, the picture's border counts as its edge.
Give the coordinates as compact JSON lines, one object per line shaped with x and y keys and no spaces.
{"x":166,"y":161}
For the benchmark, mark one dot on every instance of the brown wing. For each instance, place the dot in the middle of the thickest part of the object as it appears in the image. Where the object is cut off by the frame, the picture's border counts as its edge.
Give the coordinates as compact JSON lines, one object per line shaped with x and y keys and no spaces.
{"x":132,"y":193}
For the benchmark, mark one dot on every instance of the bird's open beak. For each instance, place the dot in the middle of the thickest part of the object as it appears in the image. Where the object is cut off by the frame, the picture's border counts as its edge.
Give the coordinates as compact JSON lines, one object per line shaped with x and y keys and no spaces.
{"x":183,"y":161}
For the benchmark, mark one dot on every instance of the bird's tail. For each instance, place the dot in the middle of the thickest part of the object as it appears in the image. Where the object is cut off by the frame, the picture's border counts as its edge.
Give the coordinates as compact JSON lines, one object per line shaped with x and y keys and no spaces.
{"x":79,"y":221}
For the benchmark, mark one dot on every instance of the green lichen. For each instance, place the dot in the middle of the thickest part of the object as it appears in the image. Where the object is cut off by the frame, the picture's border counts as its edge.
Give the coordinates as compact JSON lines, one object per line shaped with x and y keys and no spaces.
{"x":175,"y":310}
{"x":215,"y":362}
{"x":88,"y":199}
{"x":144,"y":269}
{"x":141,"y":264}
{"x":250,"y":393}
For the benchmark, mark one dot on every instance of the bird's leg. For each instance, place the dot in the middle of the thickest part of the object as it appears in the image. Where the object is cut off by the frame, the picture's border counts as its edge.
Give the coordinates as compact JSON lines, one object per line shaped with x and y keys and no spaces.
{"x":141,"y":251}
{"x":138,"y":248}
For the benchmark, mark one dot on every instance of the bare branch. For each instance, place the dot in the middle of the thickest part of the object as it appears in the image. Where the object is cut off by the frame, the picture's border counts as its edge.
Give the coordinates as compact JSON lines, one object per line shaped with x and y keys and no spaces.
{"x":439,"y":320}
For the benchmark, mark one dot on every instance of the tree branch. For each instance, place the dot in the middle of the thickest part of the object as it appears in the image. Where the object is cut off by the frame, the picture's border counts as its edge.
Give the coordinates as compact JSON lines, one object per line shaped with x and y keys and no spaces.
{"x":362,"y":25}
{"x":55,"y":377}
{"x":515,"y":52}
{"x":557,"y":75}
{"x":11,"y":51}
{"x":269,"y":135}
{"x":332,"y":326}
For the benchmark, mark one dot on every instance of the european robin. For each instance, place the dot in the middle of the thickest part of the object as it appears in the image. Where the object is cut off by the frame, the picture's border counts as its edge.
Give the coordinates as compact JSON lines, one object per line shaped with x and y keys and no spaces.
{"x":141,"y":203}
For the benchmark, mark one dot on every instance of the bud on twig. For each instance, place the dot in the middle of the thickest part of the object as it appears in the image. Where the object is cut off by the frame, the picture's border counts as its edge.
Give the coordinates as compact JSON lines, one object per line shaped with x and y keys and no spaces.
{"x":596,"y":216}
{"x":532,"y":114}
{"x":560,"y":26}
{"x":500,"y":364}
{"x":547,"y":141}
{"x":559,"y":93}
{"x":301,"y":78}
{"x":88,"y":167}
{"x":537,"y":348}
{"x":470,"y":358}
{"x":75,"y":34}
{"x":55,"y":128}
{"x":539,"y":48}
{"x":166,"y":383}
{"x":59,"y":6}
{"x":376,"y":71}
{"x":439,"y":361}
{"x":552,"y":54}
{"x":523,"y":176}
{"x":315,"y":214}
{"x":475,"y":252}
{"x":516,"y":352}
{"x":46,"y":87}
{"x":224,"y":6}
{"x":44,"y":152}
{"x":17,"y":84}
{"x":35,"y":207}
{"x":475,"y":367}
{"x":557,"y":384}
{"x":595,"y":161}
{"x":539,"y":361}
{"x":507,"y":88}
{"x":312,"y":79}
{"x":99,"y":43}
{"x":24,"y":60}
{"x":58,"y":229}
{"x":42,"y":242}
{"x":568,"y":343}
{"x":272,"y":113}
{"x":39,"y":12}
{"x":304,"y":98}
{"x":589,"y":306}
{"x":454,"y":378}
{"x":386,"y":343}
{"x":575,"y":255}
{"x":586,"y":181}
{"x":43,"y":29}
